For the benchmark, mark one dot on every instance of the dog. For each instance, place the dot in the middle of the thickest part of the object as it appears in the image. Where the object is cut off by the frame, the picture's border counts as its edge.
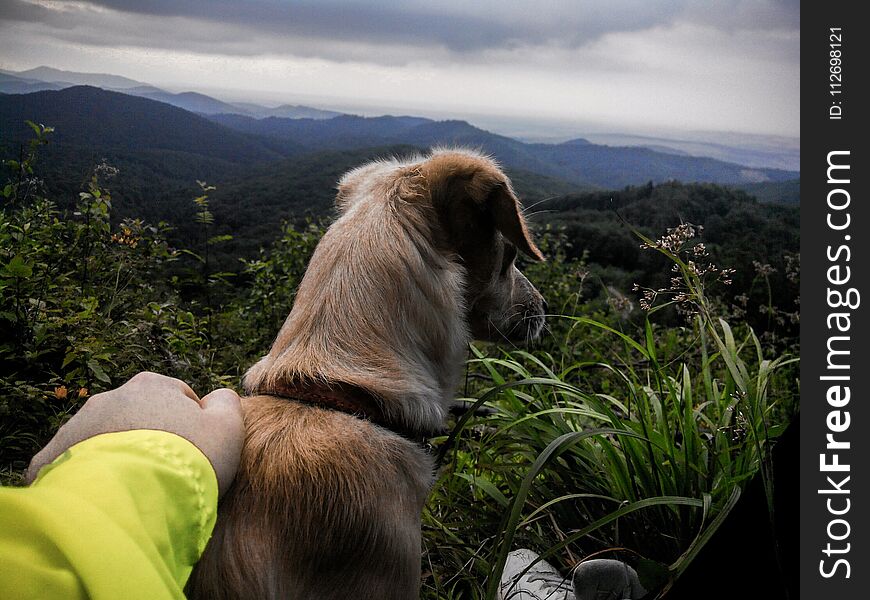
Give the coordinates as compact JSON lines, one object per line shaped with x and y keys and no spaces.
{"x":327,"y":501}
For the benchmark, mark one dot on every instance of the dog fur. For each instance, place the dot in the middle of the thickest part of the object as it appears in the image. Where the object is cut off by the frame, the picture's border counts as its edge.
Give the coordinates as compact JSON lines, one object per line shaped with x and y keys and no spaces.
{"x":327,"y":505}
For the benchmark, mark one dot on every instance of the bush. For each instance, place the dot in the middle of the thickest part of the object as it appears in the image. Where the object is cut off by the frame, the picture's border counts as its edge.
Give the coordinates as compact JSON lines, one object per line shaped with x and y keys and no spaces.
{"x":84,"y":305}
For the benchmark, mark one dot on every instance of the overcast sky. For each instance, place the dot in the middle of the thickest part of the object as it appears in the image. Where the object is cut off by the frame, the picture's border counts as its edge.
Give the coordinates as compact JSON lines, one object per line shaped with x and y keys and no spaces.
{"x":624,"y":65}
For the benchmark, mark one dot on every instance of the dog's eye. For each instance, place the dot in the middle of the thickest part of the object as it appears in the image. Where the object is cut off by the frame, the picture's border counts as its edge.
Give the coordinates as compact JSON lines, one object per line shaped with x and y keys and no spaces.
{"x":510,"y":254}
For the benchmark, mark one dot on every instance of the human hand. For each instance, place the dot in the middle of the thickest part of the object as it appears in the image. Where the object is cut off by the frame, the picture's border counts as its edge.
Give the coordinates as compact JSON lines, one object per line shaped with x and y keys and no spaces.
{"x":213,"y":424}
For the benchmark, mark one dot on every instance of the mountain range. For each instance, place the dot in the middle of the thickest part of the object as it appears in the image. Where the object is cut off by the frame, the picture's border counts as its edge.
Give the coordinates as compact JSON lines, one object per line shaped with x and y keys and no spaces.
{"x":112,"y":122}
{"x":577,"y":161}
{"x":756,"y":151}
{"x":47,"y":78}
{"x":751,"y":150}
{"x":285,"y":168}
{"x":163,"y":147}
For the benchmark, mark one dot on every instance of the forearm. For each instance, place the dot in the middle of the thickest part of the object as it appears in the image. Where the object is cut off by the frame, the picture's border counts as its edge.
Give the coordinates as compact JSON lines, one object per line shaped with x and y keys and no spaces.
{"x":120,"y":515}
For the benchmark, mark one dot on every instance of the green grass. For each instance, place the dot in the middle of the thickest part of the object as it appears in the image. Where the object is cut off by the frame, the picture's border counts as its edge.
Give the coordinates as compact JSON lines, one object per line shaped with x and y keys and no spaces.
{"x":638,"y":452}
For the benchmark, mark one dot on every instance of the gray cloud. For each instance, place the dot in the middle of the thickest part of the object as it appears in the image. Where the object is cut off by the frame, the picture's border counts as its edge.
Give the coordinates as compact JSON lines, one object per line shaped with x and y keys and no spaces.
{"x":458,"y":27}
{"x":686,"y":63}
{"x":18,"y":11}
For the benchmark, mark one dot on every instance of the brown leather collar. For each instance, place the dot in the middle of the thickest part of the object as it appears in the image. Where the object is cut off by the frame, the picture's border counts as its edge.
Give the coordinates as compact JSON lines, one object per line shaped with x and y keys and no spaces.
{"x":348,"y":399}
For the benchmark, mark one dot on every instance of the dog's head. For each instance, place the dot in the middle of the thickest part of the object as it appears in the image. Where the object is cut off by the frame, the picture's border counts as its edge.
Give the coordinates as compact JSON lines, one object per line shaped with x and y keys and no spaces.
{"x":421,"y":258}
{"x":466,"y":207}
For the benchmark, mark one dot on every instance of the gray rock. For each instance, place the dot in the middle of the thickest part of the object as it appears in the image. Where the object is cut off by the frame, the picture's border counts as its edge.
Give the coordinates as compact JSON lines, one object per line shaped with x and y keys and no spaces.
{"x":606,"y":579}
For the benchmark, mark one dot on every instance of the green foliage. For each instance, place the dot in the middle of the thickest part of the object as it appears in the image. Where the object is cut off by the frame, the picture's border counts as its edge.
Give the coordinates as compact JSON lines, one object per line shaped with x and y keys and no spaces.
{"x":246,"y":326}
{"x":739,"y":232}
{"x":274,"y":277}
{"x":638,"y":449}
{"x":83,"y":306}
{"x":783,"y":192}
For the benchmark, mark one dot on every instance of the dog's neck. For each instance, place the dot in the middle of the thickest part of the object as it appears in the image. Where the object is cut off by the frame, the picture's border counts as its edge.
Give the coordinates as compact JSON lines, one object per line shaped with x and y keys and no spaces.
{"x":379,"y":309}
{"x":351,"y":400}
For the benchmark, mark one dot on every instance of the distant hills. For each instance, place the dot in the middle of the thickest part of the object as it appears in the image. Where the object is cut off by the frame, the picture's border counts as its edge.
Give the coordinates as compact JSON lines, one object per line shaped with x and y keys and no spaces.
{"x":190,"y":101}
{"x":576,"y":161}
{"x":104,"y":120}
{"x":286,"y":111}
{"x":751,"y":150}
{"x":47,"y":78}
{"x":274,"y":168}
{"x":756,"y":151}
{"x":10,"y":84}
{"x":70,"y":78}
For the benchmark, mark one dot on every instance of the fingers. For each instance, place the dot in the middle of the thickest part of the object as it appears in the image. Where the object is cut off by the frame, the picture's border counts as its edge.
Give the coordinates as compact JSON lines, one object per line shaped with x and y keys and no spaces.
{"x":151,"y":380}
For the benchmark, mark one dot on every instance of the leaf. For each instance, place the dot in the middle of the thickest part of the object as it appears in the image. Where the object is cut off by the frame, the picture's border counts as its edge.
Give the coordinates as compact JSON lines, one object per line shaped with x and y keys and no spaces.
{"x":193,"y":254}
{"x":624,"y":337}
{"x":217,"y":239}
{"x":652,"y":574}
{"x":17,"y":267}
{"x":650,"y":340}
{"x":36,"y":128}
{"x":98,"y":371}
{"x":487,"y":486}
{"x":71,"y":356}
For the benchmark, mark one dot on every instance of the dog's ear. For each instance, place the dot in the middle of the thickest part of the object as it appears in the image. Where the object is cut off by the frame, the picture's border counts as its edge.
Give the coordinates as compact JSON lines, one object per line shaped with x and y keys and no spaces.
{"x":468,"y":191}
{"x":492,"y":191}
{"x":504,"y":206}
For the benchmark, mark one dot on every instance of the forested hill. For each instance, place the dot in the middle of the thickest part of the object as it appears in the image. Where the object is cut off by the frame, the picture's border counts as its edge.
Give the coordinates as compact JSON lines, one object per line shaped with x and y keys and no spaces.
{"x":576,"y":161}
{"x":596,"y":225}
{"x":738,"y":229}
{"x":303,"y":187}
{"x":279,"y":169}
{"x":99,"y":121}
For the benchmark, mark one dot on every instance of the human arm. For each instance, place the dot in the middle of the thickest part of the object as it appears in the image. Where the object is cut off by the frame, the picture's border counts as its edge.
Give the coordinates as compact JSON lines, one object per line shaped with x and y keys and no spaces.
{"x":124,"y":514}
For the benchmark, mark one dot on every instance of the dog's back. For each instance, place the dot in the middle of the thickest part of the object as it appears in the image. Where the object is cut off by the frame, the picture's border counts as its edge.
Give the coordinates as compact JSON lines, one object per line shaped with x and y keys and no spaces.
{"x":325,"y":506}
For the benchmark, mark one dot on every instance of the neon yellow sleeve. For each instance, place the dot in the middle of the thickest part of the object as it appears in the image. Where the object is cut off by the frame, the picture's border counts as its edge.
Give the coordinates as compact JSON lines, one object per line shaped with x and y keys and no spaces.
{"x":120,"y":515}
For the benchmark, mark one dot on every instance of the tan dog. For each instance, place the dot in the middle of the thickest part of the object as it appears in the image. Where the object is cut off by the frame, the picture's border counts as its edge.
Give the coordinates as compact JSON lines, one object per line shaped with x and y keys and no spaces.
{"x":327,"y":504}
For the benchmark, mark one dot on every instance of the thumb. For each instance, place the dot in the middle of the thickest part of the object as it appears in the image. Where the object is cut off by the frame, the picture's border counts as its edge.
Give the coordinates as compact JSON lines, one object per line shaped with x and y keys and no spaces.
{"x":223,"y":399}
{"x":223,"y":447}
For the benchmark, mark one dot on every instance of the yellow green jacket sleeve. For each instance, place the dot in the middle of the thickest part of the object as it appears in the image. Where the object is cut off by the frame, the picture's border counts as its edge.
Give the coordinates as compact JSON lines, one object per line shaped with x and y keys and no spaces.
{"x":120,"y":515}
